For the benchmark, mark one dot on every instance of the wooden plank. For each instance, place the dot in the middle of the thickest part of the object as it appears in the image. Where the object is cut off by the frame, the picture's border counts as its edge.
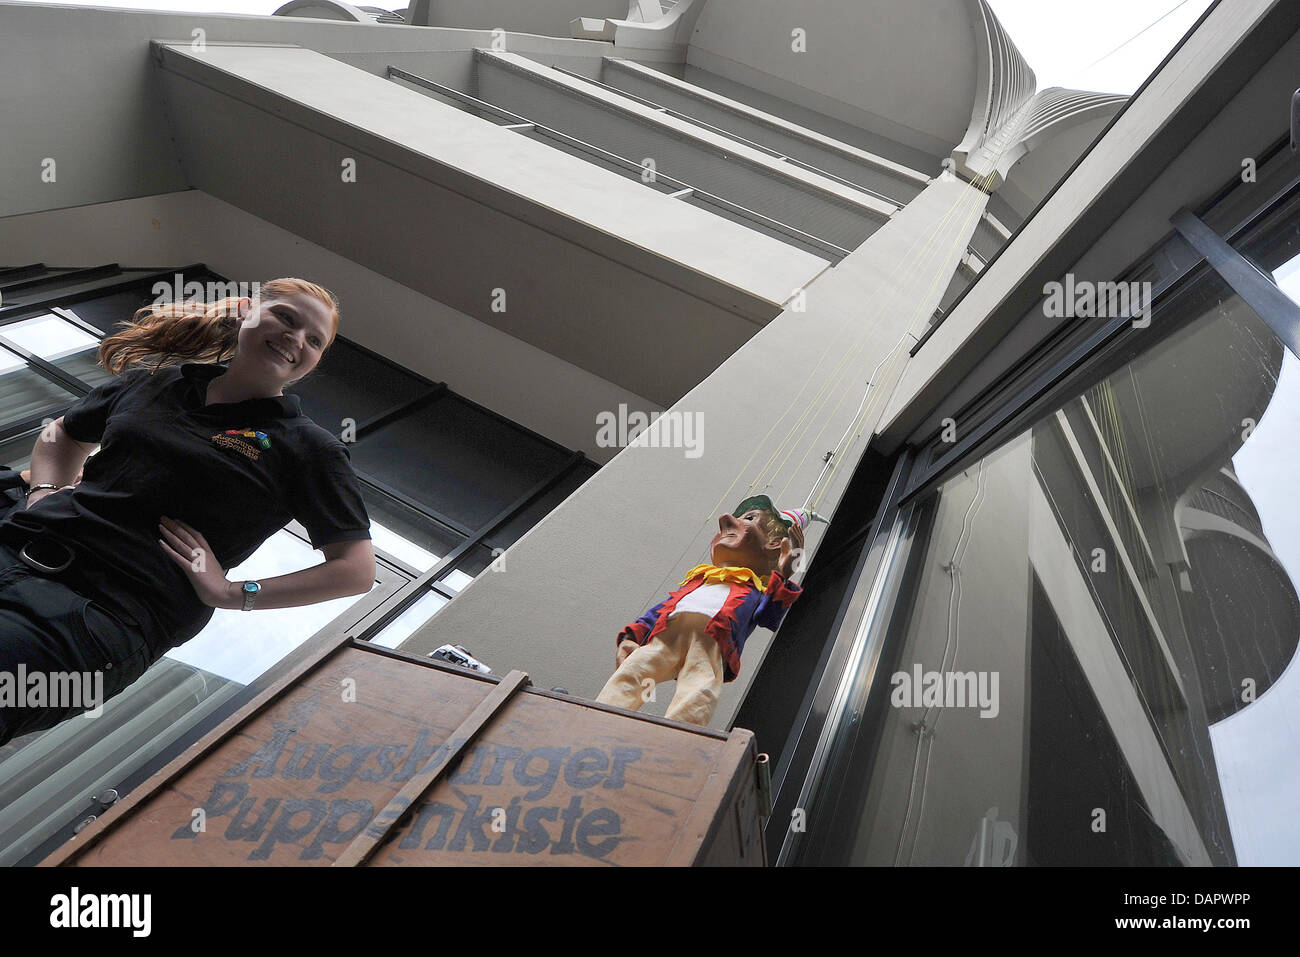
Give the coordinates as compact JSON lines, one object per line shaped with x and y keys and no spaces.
{"x":298,"y":782}
{"x":704,"y":818}
{"x":365,"y":843}
{"x":560,"y":782}
{"x":546,"y":780}
{"x":80,"y":843}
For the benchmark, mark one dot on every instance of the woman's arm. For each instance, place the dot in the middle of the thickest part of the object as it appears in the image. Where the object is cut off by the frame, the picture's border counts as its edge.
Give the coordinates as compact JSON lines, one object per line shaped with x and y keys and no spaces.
{"x":57,"y":459}
{"x":349,"y":569}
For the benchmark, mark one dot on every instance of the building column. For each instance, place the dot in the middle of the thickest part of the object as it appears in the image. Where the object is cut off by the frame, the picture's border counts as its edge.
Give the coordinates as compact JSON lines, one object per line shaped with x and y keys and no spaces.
{"x":761,"y":422}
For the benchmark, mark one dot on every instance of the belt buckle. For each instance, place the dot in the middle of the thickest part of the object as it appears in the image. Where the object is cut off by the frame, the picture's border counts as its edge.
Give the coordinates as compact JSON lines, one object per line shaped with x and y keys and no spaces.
{"x":40,"y":566}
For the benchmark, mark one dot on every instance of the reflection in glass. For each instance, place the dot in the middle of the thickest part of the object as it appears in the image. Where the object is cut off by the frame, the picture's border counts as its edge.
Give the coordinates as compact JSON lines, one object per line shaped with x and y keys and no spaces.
{"x":1086,"y":659}
{"x":26,"y":395}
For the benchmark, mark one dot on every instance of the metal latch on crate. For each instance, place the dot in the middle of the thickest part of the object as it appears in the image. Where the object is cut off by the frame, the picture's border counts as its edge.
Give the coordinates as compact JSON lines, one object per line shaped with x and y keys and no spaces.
{"x":763,"y":766}
{"x":1295,"y":121}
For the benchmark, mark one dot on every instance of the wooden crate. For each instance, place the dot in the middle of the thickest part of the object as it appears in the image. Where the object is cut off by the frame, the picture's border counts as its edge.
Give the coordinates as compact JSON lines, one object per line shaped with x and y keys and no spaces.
{"x":369,"y":756}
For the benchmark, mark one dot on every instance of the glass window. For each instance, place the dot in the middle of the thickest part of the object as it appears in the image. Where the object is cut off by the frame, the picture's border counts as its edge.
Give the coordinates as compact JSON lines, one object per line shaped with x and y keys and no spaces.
{"x":449,"y":456}
{"x":61,"y":343}
{"x":186,"y":685}
{"x":458,"y":460}
{"x":405,"y":533}
{"x":513,"y":530}
{"x":405,"y":624}
{"x":1085,"y":658}
{"x":240,"y":646}
{"x":26,"y":395}
{"x":349,"y":383}
{"x":17,"y":452}
{"x":106,"y":313}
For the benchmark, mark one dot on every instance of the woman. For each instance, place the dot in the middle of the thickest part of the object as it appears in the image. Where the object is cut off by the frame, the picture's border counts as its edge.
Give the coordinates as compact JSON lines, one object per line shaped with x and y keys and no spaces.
{"x":199,"y":464}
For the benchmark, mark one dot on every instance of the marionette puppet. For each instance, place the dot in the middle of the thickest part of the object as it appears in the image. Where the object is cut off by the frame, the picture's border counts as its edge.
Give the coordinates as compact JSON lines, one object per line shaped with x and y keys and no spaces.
{"x":696,"y":635}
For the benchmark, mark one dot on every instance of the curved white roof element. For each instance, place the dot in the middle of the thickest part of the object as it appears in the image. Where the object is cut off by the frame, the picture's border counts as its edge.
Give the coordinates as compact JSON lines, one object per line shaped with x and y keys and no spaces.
{"x":1047,"y":114}
{"x":1004,"y":83}
{"x":649,"y":24}
{"x":1009,"y":119}
{"x":323,"y":10}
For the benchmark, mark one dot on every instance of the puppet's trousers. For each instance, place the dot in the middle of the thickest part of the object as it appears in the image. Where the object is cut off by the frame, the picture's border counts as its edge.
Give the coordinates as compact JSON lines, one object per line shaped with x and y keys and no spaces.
{"x":683,"y":651}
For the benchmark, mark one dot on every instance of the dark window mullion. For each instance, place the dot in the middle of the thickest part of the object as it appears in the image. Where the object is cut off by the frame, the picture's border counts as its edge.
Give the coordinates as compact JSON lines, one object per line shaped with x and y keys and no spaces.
{"x":448,"y":563}
{"x":1257,"y":290}
{"x":24,"y":310}
{"x":432,"y":514}
{"x":401,"y":410}
{"x":70,"y":278}
{"x":46,"y":369}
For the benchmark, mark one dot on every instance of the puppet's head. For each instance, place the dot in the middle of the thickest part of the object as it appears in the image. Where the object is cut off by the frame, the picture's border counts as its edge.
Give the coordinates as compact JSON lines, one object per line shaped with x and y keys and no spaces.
{"x":751,"y":535}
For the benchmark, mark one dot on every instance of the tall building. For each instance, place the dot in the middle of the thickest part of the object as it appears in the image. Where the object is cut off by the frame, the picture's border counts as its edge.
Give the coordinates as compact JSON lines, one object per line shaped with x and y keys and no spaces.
{"x":1032,"y":353}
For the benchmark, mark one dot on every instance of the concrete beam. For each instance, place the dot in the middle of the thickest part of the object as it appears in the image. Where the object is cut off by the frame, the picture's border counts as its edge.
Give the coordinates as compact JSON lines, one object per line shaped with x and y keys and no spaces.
{"x":507,"y":375}
{"x":457,"y":208}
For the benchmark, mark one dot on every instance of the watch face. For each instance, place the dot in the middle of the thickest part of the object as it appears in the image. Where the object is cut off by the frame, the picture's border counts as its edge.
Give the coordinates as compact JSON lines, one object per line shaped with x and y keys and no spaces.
{"x":251,"y":588}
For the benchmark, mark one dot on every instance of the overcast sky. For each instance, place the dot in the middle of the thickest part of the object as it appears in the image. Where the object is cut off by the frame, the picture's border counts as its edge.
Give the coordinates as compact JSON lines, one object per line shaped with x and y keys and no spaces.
{"x":1110,"y":46}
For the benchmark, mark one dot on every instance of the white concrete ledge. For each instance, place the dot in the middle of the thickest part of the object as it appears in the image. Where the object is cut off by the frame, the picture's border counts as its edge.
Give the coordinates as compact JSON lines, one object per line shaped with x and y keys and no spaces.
{"x":767,"y":119}
{"x":682,"y":129}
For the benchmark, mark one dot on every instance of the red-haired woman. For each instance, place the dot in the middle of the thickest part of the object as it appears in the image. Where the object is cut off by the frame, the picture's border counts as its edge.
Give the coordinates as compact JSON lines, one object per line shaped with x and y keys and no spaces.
{"x":199,"y":464}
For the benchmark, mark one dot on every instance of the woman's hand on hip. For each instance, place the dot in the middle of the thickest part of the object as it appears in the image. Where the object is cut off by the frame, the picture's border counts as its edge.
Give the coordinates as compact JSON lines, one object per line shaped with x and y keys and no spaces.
{"x":187,"y":547}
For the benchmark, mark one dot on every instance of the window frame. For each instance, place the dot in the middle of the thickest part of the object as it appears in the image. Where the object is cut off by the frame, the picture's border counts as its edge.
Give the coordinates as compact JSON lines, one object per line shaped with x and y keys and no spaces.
{"x":1056,"y":370}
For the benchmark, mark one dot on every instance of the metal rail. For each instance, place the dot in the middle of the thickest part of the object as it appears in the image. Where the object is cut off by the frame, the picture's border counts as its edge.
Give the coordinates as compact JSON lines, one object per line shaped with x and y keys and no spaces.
{"x":681,"y":189}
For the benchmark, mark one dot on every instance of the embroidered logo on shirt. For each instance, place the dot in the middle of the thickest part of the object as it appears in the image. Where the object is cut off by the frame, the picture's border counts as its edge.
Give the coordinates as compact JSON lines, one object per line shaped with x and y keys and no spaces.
{"x":249,"y":442}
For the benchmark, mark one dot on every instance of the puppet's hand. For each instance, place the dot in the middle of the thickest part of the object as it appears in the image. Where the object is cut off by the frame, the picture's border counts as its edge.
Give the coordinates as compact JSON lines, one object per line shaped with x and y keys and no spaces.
{"x":625,"y":648}
{"x":790,"y":553}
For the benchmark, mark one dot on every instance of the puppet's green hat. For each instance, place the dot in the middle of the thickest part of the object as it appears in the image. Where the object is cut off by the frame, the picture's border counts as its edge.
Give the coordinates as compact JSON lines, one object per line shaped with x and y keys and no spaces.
{"x":764,"y":503}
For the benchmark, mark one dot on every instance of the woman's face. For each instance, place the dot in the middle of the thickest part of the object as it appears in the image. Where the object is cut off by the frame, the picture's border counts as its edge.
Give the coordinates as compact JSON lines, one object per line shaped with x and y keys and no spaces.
{"x":281,"y":340}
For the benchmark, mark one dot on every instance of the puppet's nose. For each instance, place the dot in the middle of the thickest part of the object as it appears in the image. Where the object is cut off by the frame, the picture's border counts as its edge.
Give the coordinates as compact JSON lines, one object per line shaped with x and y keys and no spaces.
{"x":726,"y":523}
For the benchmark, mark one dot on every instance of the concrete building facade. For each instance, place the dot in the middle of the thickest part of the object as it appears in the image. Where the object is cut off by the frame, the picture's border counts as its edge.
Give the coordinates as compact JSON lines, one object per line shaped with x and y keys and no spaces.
{"x":1031,"y":352}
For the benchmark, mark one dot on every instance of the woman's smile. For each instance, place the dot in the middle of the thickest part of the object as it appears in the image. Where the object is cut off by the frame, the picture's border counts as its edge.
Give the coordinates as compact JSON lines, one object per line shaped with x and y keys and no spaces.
{"x":281,"y":352}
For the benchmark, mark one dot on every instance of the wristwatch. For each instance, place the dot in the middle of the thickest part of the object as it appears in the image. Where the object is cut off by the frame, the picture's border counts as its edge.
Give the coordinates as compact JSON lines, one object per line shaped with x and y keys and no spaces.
{"x":250,"y":590}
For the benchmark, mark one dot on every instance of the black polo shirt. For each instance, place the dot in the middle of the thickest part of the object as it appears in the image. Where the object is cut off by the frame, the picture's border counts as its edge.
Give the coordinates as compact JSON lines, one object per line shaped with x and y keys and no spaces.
{"x":237,"y":472}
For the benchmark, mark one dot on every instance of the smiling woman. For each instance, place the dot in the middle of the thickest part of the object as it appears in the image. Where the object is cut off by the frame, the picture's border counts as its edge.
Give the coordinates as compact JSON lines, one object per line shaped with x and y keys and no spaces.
{"x":199,"y":463}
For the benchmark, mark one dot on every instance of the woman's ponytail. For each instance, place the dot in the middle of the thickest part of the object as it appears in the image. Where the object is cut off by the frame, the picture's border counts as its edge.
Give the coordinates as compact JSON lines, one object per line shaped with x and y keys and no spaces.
{"x":164,"y":333}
